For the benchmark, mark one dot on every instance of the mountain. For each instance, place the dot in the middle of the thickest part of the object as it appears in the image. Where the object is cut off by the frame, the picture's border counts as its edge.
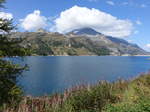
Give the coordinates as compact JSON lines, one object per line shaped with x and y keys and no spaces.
{"x":85,"y":41}
{"x":85,"y":31}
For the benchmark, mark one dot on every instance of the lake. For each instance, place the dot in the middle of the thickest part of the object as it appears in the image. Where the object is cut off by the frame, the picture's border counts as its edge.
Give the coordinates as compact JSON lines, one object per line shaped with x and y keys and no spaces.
{"x":50,"y":74}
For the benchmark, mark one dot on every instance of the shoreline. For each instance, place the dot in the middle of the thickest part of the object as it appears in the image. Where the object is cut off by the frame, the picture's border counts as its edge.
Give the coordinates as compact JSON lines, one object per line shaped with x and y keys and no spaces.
{"x":87,"y":55}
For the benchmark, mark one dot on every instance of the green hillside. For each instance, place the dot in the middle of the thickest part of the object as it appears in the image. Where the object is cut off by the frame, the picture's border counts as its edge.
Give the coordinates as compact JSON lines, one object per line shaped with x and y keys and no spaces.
{"x":47,"y":43}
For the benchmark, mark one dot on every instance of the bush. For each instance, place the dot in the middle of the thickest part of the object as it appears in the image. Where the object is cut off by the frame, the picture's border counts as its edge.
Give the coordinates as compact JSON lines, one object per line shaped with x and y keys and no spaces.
{"x":93,"y":99}
{"x":9,"y":91}
{"x":140,"y":106}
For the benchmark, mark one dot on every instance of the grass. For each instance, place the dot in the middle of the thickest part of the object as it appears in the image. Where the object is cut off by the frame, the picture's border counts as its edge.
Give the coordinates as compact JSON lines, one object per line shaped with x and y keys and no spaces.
{"x":120,"y":96}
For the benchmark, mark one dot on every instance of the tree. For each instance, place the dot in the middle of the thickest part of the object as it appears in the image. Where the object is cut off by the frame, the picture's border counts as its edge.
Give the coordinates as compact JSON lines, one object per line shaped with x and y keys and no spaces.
{"x":9,"y":91}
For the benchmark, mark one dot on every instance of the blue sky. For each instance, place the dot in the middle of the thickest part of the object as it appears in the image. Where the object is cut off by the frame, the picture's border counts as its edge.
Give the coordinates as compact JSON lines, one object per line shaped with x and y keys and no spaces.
{"x":134,"y":11}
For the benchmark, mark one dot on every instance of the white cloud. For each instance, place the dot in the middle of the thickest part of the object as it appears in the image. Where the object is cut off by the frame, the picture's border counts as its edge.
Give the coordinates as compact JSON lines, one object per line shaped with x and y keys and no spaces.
{"x":130,"y":41}
{"x":138,"y":22}
{"x":5,"y":15}
{"x":147,"y":47}
{"x":110,"y":3}
{"x":136,"y":32}
{"x":92,"y":0}
{"x":34,"y":21}
{"x":89,"y":0}
{"x":143,"y":5}
{"x":125,"y":3}
{"x":134,"y":4}
{"x":80,"y":17}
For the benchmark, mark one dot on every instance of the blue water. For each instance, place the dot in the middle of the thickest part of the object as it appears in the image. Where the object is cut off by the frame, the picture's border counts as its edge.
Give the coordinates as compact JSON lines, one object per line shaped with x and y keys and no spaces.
{"x":54,"y":74}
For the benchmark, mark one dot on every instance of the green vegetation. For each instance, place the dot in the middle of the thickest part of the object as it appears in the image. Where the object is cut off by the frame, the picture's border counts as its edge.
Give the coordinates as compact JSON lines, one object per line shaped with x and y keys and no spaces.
{"x":50,"y":43}
{"x":102,"y":51}
{"x":9,"y":72}
{"x":57,"y":44}
{"x":119,"y":96}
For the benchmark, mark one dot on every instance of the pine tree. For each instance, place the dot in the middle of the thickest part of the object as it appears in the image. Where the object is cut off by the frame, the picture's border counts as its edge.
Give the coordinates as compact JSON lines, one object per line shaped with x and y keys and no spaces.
{"x":9,"y":91}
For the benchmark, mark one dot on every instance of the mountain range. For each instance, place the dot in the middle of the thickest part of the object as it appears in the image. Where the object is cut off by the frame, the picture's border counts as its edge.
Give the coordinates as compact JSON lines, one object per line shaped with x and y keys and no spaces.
{"x":84,"y":41}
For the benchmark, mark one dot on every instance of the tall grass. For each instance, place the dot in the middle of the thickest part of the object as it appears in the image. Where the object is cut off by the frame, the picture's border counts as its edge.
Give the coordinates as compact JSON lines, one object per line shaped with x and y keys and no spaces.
{"x":120,"y":96}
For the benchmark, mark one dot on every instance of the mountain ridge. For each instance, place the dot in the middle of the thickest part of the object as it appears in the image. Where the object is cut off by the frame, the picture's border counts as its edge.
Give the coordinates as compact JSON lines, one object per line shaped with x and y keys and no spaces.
{"x":77,"y":42}
{"x":85,"y":31}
